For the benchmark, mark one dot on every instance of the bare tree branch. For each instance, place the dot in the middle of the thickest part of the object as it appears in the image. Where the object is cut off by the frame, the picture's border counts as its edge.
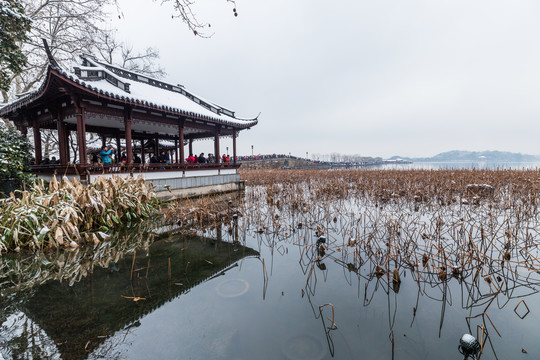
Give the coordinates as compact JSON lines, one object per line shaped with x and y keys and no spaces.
{"x":73,"y":27}
{"x":184,"y":10}
{"x":110,"y":50}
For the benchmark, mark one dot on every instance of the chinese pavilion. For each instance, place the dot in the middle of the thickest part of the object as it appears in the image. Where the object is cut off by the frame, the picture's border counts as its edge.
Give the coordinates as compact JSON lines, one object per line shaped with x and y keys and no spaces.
{"x":116,"y":103}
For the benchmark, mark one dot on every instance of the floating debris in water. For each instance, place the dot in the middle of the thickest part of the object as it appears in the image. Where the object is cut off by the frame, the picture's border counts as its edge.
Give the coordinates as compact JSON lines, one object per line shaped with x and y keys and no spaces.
{"x":468,"y":345}
{"x":396,"y":278}
{"x":522,"y":316}
{"x":134,"y":298}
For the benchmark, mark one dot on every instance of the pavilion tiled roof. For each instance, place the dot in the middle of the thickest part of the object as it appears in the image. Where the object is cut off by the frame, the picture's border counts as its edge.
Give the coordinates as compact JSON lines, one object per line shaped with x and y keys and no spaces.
{"x":136,"y":89}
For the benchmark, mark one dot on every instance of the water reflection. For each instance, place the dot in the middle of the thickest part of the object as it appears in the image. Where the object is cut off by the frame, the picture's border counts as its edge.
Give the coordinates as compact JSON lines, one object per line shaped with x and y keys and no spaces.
{"x":74,"y":319}
{"x":485,"y":307}
{"x":294,"y":297}
{"x":25,"y":270}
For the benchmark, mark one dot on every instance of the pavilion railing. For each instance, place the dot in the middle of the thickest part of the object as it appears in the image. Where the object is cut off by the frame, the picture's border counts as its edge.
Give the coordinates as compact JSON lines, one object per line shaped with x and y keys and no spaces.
{"x":89,"y":169}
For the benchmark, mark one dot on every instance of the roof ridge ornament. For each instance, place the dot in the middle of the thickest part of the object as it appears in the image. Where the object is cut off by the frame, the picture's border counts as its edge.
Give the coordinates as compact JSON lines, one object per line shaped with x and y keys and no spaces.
{"x":52,"y":61}
{"x":149,"y":80}
{"x":93,"y":70}
{"x":135,"y":76}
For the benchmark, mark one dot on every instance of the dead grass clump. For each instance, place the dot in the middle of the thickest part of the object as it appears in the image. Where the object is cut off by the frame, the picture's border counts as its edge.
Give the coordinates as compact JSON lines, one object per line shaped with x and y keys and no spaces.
{"x":480,"y":227}
{"x":67,"y":213}
{"x":201,"y":213}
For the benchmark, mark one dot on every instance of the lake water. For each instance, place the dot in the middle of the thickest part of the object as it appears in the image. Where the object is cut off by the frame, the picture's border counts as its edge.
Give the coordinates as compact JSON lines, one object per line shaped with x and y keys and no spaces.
{"x":249,"y":294}
{"x":463,"y":165}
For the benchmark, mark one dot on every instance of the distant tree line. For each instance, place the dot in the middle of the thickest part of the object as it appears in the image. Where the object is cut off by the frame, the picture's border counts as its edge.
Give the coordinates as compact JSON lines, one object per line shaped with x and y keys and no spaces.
{"x":345,"y":158}
{"x":330,"y":159}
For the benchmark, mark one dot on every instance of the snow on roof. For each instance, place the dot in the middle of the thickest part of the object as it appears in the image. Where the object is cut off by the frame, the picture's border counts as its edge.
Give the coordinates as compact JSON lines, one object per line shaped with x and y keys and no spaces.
{"x":130,"y":86}
{"x":147,"y":89}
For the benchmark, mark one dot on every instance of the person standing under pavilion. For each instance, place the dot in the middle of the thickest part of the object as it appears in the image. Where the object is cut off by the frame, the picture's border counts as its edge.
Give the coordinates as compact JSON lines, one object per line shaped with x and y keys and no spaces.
{"x":106,"y":155}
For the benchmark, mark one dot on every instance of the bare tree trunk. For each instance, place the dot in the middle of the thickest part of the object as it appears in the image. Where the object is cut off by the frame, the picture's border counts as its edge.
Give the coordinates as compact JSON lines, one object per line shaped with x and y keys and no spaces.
{"x":50,"y":143}
{"x":74,"y":147}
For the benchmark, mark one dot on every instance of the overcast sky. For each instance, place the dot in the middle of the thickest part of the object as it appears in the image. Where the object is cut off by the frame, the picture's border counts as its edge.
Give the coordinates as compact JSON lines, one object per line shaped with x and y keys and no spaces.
{"x":376,"y":78}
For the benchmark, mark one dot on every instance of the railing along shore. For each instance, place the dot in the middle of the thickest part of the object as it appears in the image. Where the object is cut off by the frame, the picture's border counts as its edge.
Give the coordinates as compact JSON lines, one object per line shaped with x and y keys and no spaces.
{"x":77,"y":169}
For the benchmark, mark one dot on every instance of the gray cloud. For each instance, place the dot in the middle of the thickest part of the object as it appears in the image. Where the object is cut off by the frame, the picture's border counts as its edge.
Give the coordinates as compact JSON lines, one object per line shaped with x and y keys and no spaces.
{"x":370,"y":77}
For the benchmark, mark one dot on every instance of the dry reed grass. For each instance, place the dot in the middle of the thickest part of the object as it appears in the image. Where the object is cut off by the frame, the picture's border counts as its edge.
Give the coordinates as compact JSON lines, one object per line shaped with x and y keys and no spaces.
{"x":481,"y":227}
{"x":201,"y":213}
{"x":67,"y":213}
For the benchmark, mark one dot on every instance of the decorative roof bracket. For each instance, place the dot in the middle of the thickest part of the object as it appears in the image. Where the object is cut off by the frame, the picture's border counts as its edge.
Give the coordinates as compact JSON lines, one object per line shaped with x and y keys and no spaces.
{"x":52,"y":61}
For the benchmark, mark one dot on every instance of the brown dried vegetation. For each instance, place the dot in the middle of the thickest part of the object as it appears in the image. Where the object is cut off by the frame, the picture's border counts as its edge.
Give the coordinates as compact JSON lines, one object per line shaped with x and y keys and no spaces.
{"x":66,"y":213}
{"x":473,"y":225}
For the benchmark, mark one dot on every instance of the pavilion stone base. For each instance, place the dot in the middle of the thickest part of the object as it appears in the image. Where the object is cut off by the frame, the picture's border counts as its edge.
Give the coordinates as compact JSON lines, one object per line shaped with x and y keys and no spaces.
{"x":193,"y":181}
{"x":200,"y":191}
{"x":177,"y":184}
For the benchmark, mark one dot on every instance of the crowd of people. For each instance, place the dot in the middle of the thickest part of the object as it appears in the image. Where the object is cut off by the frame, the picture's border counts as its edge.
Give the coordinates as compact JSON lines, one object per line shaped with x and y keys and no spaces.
{"x":257,"y":157}
{"x":47,"y":161}
{"x":210,"y":159}
{"x":266,"y":156}
{"x":108,"y":156}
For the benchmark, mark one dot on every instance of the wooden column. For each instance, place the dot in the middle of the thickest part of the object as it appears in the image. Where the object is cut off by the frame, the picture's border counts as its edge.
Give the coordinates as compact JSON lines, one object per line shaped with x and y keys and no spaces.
{"x":118,"y":152}
{"x":103,"y":141}
{"x":234,"y":146}
{"x":190,"y":146}
{"x":80,"y":112}
{"x":82,"y":144}
{"x":62,"y":137}
{"x":181,"y":142}
{"x":176,"y":151}
{"x":37,"y":141}
{"x":216,"y":146}
{"x":156,"y":147}
{"x":142,"y":151}
{"x":68,"y":152}
{"x":127,"y":125}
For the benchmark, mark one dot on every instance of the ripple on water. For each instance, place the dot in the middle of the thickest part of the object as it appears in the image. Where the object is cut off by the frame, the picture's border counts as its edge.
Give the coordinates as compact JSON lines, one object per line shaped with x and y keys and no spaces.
{"x":232,"y":288}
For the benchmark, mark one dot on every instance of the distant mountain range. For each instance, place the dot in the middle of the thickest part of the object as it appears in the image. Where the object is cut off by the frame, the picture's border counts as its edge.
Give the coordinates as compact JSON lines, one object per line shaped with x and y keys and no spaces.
{"x":474,"y":156}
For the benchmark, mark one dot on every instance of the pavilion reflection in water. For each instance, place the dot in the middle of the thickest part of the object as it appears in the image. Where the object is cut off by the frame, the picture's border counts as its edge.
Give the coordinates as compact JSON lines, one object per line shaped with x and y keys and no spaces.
{"x":72,"y":321}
